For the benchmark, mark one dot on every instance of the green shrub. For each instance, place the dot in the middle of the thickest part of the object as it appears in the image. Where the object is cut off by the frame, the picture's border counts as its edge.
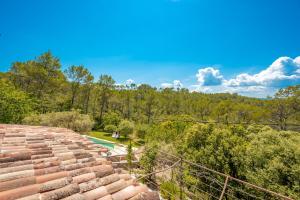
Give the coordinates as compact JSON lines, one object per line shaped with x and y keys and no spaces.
{"x":126,"y":127}
{"x":141,"y":130}
{"x":71,"y":119}
{"x":111,"y":118}
{"x":169,"y":187}
{"x":273,"y":161}
{"x":110,"y":128}
{"x":14,"y":104}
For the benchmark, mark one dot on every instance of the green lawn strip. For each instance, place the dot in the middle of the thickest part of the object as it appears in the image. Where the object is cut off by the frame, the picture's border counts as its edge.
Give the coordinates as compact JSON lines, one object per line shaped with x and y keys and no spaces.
{"x":107,"y":136}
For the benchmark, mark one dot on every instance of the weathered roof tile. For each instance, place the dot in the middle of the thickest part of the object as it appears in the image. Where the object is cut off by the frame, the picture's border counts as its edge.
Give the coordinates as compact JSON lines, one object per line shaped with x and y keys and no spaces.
{"x":55,"y":184}
{"x":41,"y":163}
{"x":96,"y":193}
{"x":20,"y":192}
{"x":12,"y":184}
{"x":61,"y":192}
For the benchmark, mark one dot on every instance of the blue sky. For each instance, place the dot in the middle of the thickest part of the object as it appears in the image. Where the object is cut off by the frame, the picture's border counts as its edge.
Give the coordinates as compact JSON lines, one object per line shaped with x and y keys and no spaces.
{"x":250,"y":47}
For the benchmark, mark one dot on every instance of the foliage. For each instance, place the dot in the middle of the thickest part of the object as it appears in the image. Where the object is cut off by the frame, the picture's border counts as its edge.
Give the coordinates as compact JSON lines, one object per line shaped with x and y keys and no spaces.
{"x":273,"y":161}
{"x":169,"y":187}
{"x":14,"y":104}
{"x":285,"y":105}
{"x":171,"y":129}
{"x":110,"y":128}
{"x":40,"y":78}
{"x":258,"y":154}
{"x":70,"y":119}
{"x":126,"y":127}
{"x":111,"y":118}
{"x":141,"y":130}
{"x":55,"y":91}
{"x":219,"y":148}
{"x":147,"y":161}
{"x":105,"y":87}
{"x":129,"y":155}
{"x":78,"y":75}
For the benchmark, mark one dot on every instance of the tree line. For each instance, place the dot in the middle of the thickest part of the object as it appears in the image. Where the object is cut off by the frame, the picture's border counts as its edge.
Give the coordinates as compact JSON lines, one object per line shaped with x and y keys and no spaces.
{"x":44,"y":87}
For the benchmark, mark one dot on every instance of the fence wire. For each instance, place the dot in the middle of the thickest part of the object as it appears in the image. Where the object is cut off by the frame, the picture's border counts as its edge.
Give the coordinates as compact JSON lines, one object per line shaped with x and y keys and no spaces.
{"x":177,"y":178}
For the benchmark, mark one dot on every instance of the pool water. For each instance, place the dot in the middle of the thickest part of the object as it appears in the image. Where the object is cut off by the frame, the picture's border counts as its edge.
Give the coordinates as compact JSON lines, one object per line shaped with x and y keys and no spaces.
{"x":102,"y":143}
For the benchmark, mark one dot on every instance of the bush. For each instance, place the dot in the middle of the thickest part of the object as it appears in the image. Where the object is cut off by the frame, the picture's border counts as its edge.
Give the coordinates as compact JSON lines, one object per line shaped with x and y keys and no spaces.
{"x":170,"y":187}
{"x":141,"y":130}
{"x":110,"y":128}
{"x":14,"y":104}
{"x":111,"y":118}
{"x":126,"y":127}
{"x":71,"y":119}
{"x":273,"y":161}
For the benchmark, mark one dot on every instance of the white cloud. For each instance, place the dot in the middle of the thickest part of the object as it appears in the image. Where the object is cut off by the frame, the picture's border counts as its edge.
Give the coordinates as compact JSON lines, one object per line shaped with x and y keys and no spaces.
{"x":282,"y":72}
{"x":251,"y":91}
{"x":166,"y":85}
{"x":209,"y":76}
{"x":176,"y":85}
{"x":129,"y":82}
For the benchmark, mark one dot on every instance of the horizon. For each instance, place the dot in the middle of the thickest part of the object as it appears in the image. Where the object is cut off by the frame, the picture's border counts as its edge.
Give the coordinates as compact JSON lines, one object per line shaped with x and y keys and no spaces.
{"x":250,"y":48}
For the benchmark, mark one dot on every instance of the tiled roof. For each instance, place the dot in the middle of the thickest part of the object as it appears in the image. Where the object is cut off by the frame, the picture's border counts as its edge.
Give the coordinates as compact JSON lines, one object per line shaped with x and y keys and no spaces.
{"x":56,"y":163}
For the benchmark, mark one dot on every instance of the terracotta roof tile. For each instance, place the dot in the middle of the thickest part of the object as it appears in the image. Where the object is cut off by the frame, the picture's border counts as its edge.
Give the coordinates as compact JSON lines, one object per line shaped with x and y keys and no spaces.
{"x":145,"y":196}
{"x":41,"y":163}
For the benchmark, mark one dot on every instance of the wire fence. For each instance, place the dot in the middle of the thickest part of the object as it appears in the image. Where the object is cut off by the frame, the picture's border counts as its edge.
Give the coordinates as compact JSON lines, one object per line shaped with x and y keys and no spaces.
{"x":177,"y":178}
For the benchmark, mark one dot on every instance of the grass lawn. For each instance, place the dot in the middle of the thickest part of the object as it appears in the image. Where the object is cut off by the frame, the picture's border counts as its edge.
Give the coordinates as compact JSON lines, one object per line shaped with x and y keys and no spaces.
{"x":107,"y":136}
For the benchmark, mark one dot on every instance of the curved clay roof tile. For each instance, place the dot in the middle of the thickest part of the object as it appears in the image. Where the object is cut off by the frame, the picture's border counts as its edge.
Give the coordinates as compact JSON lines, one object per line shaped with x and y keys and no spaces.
{"x":41,"y":163}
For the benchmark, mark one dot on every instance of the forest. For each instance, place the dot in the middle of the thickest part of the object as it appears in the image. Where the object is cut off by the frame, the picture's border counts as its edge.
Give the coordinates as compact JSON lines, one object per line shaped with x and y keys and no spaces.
{"x":252,"y":139}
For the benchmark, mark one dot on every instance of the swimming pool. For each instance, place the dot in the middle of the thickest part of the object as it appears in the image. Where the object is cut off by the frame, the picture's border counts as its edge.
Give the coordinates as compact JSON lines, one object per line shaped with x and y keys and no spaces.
{"x":103,"y":143}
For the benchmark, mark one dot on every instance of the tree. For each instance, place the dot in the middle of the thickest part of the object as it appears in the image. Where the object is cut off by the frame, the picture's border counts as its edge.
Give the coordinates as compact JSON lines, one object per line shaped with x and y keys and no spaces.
{"x":171,"y":129}
{"x":280,"y":112}
{"x":42,"y":79}
{"x":106,"y":85}
{"x":70,"y":119}
{"x":285,"y":105}
{"x":127,"y":103}
{"x":146,"y":98}
{"x":141,"y":130}
{"x":129,"y":156}
{"x":272,"y":161}
{"x":223,"y":111}
{"x":203,"y":108}
{"x":14,"y":104}
{"x":147,"y":163}
{"x":219,"y":148}
{"x":110,"y":128}
{"x":87,"y":88}
{"x":111,"y":118}
{"x":126,"y":127}
{"x":149,"y":105}
{"x":77,"y":75}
